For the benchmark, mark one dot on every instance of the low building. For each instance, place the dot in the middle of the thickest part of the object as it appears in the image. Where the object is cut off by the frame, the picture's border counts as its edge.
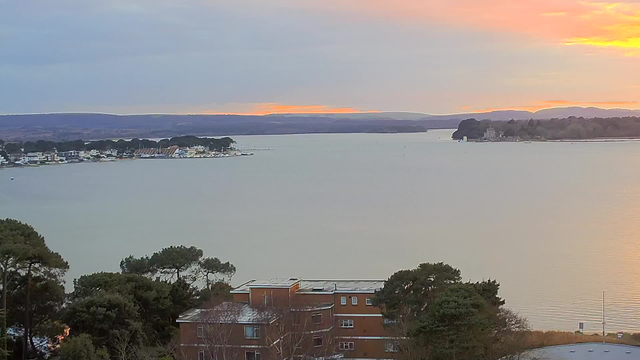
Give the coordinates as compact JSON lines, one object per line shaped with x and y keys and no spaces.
{"x":34,"y":157}
{"x":290,"y":318}
{"x":490,"y":134}
{"x":70,"y":155}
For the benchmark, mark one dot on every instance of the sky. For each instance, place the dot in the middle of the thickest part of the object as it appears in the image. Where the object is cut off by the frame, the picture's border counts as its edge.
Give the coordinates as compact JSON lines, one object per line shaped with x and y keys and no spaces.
{"x":323,"y":56}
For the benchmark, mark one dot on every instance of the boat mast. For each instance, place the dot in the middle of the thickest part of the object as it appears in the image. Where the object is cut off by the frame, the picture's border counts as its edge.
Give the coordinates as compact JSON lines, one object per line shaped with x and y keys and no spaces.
{"x":604,"y":339}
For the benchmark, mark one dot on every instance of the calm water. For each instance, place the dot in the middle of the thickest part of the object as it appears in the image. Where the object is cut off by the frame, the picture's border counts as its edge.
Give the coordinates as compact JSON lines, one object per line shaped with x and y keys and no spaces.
{"x":555,"y":223}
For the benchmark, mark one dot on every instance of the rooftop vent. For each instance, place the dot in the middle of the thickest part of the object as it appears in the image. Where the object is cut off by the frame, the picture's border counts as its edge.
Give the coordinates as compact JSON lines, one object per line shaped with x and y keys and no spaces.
{"x":318,"y":289}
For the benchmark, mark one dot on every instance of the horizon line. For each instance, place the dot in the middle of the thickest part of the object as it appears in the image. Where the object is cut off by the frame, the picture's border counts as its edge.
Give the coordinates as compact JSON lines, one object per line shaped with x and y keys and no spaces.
{"x":485,"y":111}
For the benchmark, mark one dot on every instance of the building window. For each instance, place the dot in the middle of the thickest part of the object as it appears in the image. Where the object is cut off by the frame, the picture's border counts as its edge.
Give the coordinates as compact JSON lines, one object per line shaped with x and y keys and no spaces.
{"x":200,"y":331}
{"x":369,"y":301}
{"x":347,"y":323}
{"x":252,"y":355}
{"x":347,"y":346}
{"x":316,"y":318}
{"x":354,"y":300}
{"x":343,"y":300}
{"x":200,"y":354}
{"x":391,"y":347}
{"x":252,"y":332}
{"x":317,"y":341}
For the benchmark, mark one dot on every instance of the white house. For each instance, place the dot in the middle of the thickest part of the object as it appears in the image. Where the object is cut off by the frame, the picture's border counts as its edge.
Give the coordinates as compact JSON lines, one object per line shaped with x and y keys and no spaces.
{"x":490,"y":134}
{"x":35,"y":157}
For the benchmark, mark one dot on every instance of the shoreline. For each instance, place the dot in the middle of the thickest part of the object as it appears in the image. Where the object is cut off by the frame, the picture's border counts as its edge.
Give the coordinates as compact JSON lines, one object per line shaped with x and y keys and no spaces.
{"x":114,"y":160}
{"x":595,"y":140}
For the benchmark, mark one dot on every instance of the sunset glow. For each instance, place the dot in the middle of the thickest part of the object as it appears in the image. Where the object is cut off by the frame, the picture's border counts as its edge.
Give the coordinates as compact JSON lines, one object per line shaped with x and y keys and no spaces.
{"x":599,"y":24}
{"x":318,"y":57}
{"x":275,"y":108}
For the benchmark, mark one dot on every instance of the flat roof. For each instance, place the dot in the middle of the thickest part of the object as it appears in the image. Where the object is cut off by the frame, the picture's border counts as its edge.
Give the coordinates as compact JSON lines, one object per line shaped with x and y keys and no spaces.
{"x":228,"y":313}
{"x":586,"y":351}
{"x":364,"y":286}
{"x":315,"y":286}
{"x":273,"y":283}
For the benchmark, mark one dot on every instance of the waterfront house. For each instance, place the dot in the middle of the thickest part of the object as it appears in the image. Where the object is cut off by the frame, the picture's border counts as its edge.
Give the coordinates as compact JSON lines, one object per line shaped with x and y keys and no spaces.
{"x":290,"y":318}
{"x":490,"y":134}
{"x":111,"y":153}
{"x":50,"y":157}
{"x":70,"y":155}
{"x":15,"y":157}
{"x":35,"y":157}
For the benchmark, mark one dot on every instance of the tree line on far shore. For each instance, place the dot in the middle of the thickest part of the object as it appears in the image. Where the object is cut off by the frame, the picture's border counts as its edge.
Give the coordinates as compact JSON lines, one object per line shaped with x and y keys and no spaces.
{"x":120,"y":145}
{"x":572,"y":128}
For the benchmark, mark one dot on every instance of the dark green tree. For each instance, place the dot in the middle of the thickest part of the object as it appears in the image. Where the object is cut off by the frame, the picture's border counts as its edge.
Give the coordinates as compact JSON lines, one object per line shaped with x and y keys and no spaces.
{"x":213,"y":270}
{"x":152,"y":299}
{"x":140,"y":266}
{"x":102,"y":316}
{"x":78,"y":348}
{"x":13,"y":148}
{"x":456,"y":325}
{"x":47,"y":299}
{"x":174,"y":262}
{"x":183,"y":297}
{"x":24,"y":252}
{"x":219,"y":291}
{"x":38,"y":260}
{"x":14,"y":237}
{"x":439,"y":317}
{"x":509,"y":132}
{"x":409,"y":292}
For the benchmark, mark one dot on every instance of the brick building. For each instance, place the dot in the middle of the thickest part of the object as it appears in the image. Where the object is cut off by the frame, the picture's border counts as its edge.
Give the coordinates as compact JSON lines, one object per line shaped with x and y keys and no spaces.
{"x":290,"y":318}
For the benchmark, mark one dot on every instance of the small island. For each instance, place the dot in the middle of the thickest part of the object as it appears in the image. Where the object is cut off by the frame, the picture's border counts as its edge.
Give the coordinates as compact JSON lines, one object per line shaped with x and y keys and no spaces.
{"x":571,"y":128}
{"x":43,"y":152}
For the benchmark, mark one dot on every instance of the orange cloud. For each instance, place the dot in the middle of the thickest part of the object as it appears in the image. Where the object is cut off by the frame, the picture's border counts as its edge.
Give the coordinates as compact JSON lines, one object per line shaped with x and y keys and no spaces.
{"x":560,"y":13}
{"x":275,"y":108}
{"x":570,"y":22}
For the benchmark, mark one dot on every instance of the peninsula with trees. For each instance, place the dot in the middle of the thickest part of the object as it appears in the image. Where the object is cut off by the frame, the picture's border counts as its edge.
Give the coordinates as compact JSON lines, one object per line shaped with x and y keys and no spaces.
{"x":571,"y":128}
{"x":45,"y":152}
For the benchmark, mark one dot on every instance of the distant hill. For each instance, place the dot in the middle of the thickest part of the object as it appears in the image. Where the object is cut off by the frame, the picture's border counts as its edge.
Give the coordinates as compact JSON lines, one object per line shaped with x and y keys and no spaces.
{"x":60,"y":127}
{"x":87,"y":126}
{"x":590,"y":112}
{"x":498,"y":115}
{"x":554,"y":113}
{"x":501,"y":115}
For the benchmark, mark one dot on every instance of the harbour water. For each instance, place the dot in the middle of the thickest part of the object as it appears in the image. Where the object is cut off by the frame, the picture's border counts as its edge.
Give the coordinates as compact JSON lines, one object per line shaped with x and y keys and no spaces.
{"x":555,"y":223}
